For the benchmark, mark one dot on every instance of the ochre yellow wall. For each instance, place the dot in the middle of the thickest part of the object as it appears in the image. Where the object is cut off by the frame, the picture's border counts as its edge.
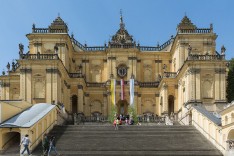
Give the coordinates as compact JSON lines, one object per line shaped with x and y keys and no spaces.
{"x":12,"y":108}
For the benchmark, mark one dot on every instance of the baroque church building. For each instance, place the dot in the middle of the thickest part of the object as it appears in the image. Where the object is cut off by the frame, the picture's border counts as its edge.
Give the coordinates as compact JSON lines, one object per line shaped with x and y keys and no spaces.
{"x":169,"y":78}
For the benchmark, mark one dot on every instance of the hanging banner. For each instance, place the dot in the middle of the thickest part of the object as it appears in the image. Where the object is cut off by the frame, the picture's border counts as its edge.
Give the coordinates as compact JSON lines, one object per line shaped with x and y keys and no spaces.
{"x":122,"y":89}
{"x":113,"y":82}
{"x":131,"y":91}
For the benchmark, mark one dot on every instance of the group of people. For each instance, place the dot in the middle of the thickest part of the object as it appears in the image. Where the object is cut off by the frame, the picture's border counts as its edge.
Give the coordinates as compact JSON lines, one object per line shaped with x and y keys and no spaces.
{"x":119,"y":120}
{"x":48,"y":145}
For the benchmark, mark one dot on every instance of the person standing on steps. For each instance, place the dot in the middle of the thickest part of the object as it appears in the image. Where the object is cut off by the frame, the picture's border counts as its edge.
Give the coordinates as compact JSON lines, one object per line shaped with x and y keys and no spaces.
{"x":45,"y":144}
{"x":25,"y":141}
{"x":52,"y":146}
{"x":117,"y":124}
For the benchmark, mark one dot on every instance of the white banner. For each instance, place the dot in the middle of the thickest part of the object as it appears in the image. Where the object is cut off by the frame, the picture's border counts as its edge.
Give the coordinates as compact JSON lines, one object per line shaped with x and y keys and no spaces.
{"x":131,"y":91}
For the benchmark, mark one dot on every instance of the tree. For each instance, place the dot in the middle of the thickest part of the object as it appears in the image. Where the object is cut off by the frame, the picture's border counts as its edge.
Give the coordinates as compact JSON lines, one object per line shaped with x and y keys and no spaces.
{"x":230,"y":81}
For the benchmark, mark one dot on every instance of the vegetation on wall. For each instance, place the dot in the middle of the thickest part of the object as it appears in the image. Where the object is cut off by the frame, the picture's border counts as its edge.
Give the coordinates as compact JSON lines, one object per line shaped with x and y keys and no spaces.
{"x":230,"y":82}
{"x":132,"y":112}
{"x":113,"y":113}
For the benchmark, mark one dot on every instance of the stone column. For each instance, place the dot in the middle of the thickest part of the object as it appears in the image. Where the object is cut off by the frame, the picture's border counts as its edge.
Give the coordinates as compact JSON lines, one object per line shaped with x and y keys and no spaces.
{"x":181,"y":55}
{"x":139,"y":104}
{"x":105,"y":106}
{"x":223,"y":85}
{"x":87,"y":104}
{"x":157,"y":104}
{"x":136,"y":102}
{"x":80,"y":101}
{"x":48,"y":86}
{"x":26,"y":84}
{"x":6,"y":91}
{"x":54,"y":86}
{"x":109,"y":103}
{"x":165,"y":99}
{"x":217,"y":84}
{"x":88,"y":78}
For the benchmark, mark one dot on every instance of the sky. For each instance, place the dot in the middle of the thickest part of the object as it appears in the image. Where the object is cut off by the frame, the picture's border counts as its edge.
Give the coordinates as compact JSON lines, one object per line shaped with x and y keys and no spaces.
{"x":94,"y":21}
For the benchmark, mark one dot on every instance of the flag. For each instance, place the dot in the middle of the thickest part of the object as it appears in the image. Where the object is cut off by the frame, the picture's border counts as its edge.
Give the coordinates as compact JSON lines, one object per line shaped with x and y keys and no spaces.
{"x":131,"y":91}
{"x":113,"y":91}
{"x":122,"y":89}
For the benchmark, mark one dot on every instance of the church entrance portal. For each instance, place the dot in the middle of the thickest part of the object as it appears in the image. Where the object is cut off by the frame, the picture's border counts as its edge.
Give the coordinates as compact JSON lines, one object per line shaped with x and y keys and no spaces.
{"x":122,"y":107}
{"x":74,"y":104}
{"x":170,"y":104}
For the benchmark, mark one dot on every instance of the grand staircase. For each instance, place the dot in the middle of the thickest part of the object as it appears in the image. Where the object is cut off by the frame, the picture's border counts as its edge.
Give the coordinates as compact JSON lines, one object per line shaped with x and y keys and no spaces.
{"x":74,"y":140}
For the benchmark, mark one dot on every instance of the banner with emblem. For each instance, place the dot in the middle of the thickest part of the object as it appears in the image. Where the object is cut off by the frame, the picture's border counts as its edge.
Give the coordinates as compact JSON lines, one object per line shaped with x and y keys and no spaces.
{"x":113,"y":83}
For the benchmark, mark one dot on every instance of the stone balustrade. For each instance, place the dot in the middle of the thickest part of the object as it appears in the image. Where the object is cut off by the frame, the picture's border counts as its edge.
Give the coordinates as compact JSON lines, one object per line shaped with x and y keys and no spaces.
{"x":148,"y":84}
{"x":76,"y":75}
{"x":205,"y":57}
{"x":39,"y":56}
{"x":195,"y":31}
{"x":169,"y":74}
{"x":93,"y":84}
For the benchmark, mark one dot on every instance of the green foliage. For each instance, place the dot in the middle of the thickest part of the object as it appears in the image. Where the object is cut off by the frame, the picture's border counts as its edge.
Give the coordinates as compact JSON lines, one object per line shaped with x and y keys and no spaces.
{"x":112,"y":116}
{"x":132,"y":112}
{"x":230,"y":81}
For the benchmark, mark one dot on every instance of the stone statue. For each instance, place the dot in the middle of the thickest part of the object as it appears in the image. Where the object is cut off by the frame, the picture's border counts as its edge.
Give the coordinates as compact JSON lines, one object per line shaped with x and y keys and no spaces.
{"x":189,"y":49}
{"x":21,"y":48}
{"x":8,"y":66}
{"x":159,"y":77}
{"x":13,"y":66}
{"x":164,"y":67}
{"x":223,"y":49}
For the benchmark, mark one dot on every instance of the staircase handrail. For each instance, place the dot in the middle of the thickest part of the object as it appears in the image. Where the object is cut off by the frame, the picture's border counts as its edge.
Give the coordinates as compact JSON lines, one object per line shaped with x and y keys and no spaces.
{"x":42,"y":133}
{"x":180,"y":120}
{"x":208,"y":134}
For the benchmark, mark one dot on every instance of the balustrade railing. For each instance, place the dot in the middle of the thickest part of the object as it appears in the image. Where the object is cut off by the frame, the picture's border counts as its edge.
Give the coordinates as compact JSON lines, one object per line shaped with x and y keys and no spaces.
{"x":48,"y":30}
{"x":93,"y":84}
{"x":205,"y":57}
{"x":39,"y":56}
{"x":146,"y":48}
{"x":158,"y":48}
{"x":76,"y":75}
{"x":155,"y":119}
{"x":148,"y":84}
{"x":195,"y":31}
{"x":126,"y":46}
{"x":41,"y":30}
{"x":97,"y":48}
{"x":81,"y":119}
{"x":78,"y":44}
{"x":169,"y":74}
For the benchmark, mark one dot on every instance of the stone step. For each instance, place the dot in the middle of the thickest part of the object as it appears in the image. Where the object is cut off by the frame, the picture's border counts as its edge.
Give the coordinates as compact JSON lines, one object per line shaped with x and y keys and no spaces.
{"x":143,"y":153}
{"x":131,"y":140}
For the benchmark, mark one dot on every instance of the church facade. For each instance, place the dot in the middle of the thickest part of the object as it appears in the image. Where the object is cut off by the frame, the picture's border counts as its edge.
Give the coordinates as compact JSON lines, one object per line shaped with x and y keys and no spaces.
{"x":187,"y":69}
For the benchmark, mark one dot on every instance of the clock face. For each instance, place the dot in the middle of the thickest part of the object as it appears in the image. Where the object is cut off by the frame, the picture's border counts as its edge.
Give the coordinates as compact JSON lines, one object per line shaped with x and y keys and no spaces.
{"x":122,"y":71}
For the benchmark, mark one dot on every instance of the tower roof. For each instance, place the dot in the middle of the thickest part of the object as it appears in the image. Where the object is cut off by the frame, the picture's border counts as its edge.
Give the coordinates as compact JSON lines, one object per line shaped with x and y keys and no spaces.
{"x":186,"y":24}
{"x":122,"y":36}
{"x":58,"y":23}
